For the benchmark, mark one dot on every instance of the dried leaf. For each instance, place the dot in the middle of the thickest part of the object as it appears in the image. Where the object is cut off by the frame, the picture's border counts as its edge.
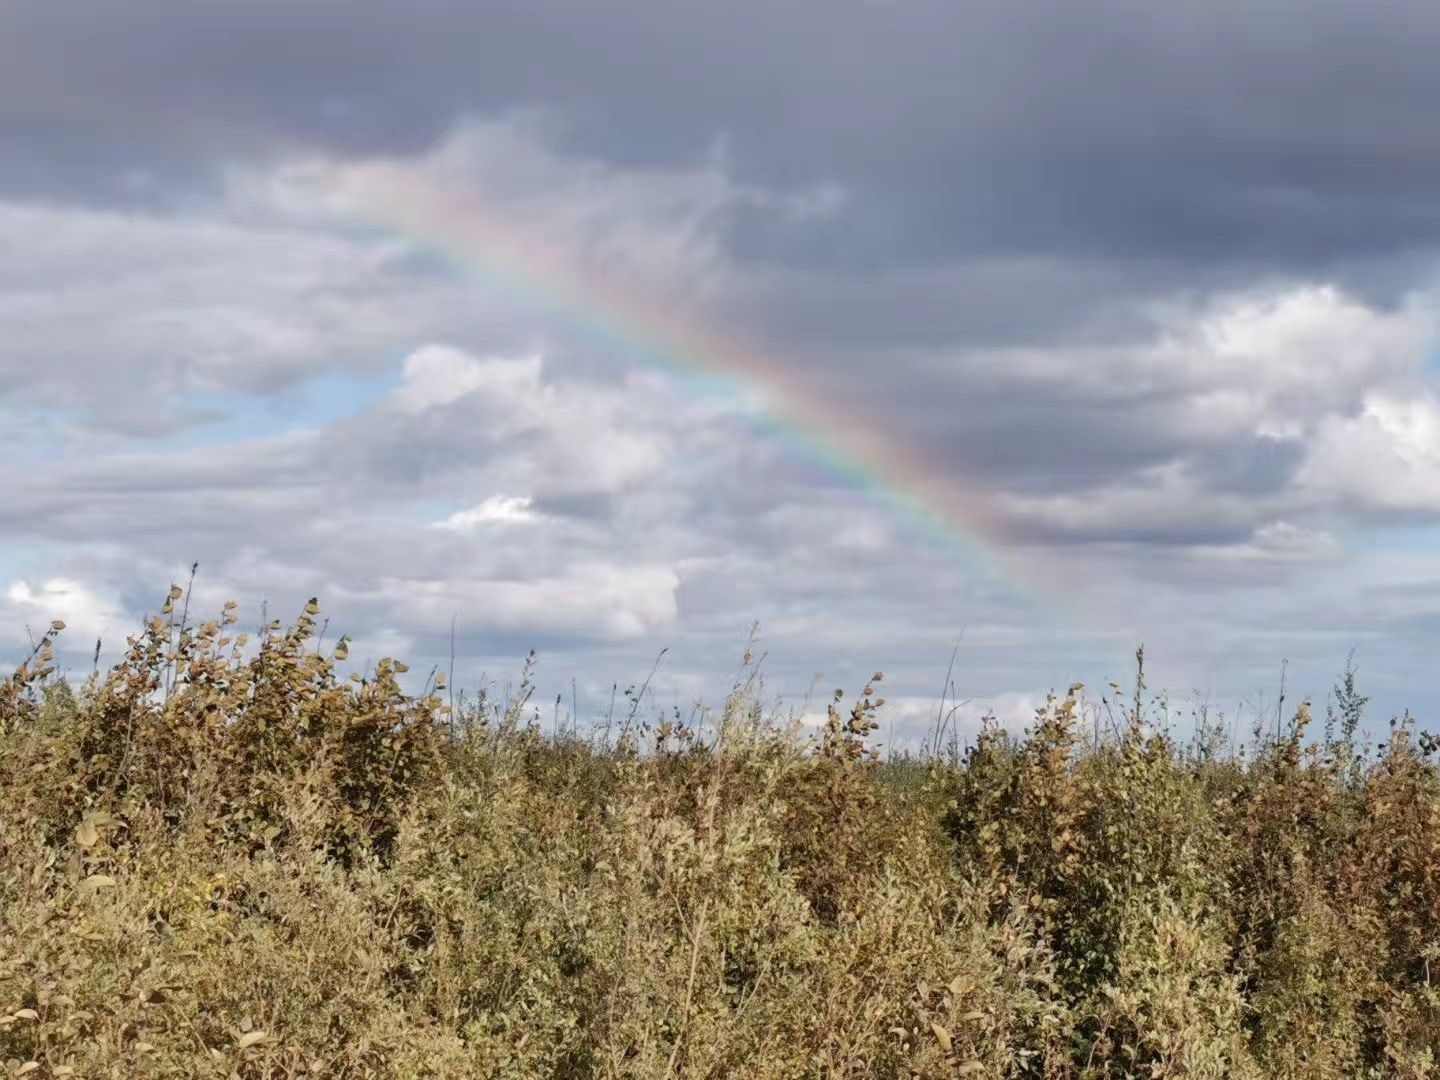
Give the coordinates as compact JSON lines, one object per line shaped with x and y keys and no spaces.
{"x":57,"y":626}
{"x":27,"y":1068}
{"x":94,"y":883}
{"x":250,"y":1038}
{"x":943,"y":1037}
{"x":87,"y":835}
{"x":26,"y":1014}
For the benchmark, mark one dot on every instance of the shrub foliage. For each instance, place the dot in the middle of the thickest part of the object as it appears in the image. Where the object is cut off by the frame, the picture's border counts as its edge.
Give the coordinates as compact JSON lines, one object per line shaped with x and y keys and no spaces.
{"x":225,"y":859}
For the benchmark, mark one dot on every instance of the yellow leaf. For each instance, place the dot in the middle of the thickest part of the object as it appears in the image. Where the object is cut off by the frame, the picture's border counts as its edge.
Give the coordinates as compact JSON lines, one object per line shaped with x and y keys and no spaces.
{"x":94,"y":883}
{"x":250,"y":1038}
{"x":943,"y":1037}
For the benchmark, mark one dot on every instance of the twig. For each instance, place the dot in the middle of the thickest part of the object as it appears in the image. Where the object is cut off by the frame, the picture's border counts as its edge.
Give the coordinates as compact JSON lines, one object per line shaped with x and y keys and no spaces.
{"x":1280,"y":705}
{"x":173,"y":675}
{"x":450,"y":679}
{"x":940,"y":715}
{"x":610,"y":716}
{"x":689,"y":989}
{"x":635,"y":704}
{"x":946,"y":723}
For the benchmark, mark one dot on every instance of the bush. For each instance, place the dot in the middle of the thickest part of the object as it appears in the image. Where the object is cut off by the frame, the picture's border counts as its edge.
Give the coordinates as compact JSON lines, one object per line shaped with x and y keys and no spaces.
{"x":222,"y":860}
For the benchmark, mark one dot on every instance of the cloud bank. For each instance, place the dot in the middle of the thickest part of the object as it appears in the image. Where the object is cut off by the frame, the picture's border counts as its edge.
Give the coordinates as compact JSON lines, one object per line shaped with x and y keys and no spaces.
{"x":1159,"y":282}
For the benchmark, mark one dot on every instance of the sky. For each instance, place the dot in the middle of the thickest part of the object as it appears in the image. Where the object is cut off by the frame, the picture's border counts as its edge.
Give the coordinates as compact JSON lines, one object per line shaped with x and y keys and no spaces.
{"x":1020,"y":332}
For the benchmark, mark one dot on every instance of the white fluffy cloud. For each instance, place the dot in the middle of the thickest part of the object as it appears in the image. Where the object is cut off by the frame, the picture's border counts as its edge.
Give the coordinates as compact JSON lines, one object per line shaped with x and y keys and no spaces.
{"x":510,"y":422}
{"x":536,"y":487}
{"x":1335,"y":390}
{"x":1386,"y":457}
{"x":29,"y":607}
{"x":496,"y":510}
{"x":613,"y":601}
{"x":505,"y":196}
{"x":124,"y":315}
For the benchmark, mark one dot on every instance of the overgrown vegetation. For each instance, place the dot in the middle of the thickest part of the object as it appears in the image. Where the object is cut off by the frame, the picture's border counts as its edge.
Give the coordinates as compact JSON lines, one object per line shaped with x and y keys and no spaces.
{"x":221,"y":860}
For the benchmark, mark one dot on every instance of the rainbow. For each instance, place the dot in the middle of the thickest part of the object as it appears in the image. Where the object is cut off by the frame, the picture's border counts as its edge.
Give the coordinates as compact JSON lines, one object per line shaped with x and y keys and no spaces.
{"x":839,"y":437}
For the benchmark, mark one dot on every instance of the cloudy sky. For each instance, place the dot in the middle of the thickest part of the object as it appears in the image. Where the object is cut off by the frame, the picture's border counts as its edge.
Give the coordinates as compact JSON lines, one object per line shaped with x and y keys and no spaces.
{"x":1043,"y":328}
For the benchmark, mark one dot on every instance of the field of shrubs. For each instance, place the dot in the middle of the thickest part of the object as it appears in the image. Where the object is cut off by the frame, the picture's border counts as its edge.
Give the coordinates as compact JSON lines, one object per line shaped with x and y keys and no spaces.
{"x":225,"y":858}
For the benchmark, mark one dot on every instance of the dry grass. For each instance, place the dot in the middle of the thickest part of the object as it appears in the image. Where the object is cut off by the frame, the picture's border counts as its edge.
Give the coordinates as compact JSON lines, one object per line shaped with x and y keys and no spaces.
{"x":222,"y":862}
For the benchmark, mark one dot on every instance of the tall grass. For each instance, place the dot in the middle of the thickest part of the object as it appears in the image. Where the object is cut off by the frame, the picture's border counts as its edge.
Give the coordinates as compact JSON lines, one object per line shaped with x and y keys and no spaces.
{"x":221,"y":860}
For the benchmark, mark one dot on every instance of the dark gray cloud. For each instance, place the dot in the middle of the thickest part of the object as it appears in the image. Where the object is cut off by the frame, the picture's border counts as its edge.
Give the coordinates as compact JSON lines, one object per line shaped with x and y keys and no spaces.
{"x":1283,"y":134}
